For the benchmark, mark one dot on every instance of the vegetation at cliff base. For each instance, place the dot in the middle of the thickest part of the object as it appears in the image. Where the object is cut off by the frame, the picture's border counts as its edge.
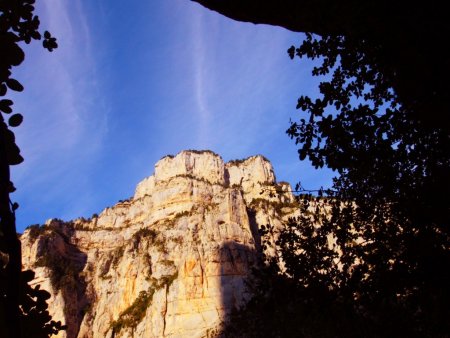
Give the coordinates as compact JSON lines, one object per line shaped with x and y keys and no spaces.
{"x":64,"y":267}
{"x":135,"y":313}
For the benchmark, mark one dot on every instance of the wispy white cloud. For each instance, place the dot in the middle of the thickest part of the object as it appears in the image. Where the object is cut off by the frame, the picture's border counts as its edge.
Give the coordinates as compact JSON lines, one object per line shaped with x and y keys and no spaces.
{"x":236,"y":68}
{"x":200,"y":65}
{"x":246,"y":89}
{"x":63,"y":129}
{"x":170,"y":76}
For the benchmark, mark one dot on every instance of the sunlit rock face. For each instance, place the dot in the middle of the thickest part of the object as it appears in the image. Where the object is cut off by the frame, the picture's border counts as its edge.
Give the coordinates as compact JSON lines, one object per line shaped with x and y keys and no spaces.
{"x":169,"y":262}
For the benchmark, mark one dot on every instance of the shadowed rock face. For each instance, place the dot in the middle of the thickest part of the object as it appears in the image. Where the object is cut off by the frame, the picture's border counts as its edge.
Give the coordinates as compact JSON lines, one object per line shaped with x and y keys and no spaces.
{"x":170,"y":261}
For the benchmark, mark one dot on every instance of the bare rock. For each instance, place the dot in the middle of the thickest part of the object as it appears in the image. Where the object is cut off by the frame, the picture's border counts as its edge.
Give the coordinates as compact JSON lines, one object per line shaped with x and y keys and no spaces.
{"x":171,"y":261}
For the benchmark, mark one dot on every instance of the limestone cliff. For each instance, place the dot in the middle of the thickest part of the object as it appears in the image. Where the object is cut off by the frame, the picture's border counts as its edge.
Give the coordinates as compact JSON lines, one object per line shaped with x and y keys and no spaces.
{"x":169,"y":262}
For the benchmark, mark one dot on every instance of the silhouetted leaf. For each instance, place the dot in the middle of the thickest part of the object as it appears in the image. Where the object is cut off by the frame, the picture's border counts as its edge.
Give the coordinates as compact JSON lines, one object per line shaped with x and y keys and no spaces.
{"x":5,"y":106}
{"x":14,"y":157}
{"x":12,"y":150}
{"x":15,"y":120}
{"x":11,"y":187}
{"x":3,"y":89}
{"x":49,"y":44}
{"x":302,"y":155}
{"x":10,"y":50}
{"x":28,"y":275}
{"x":36,"y":35}
{"x":291,"y":52}
{"x":14,"y":85}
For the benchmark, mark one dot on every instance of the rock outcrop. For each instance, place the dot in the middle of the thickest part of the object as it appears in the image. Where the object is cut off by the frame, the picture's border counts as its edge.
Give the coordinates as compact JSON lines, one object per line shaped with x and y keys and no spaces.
{"x":169,"y":262}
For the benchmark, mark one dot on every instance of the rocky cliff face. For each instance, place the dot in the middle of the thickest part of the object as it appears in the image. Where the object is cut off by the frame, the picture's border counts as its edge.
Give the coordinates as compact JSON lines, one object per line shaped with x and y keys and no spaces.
{"x":169,"y":262}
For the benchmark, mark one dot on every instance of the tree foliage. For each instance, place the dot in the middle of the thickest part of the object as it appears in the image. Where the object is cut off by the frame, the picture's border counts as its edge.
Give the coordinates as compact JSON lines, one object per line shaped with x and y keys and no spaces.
{"x":18,"y":24}
{"x":35,"y":318}
{"x":388,"y":213}
{"x":407,"y":42}
{"x":376,"y":245}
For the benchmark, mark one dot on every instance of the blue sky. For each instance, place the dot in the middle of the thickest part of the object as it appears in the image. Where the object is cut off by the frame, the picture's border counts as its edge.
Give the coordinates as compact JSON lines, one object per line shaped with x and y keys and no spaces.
{"x":133,"y":81}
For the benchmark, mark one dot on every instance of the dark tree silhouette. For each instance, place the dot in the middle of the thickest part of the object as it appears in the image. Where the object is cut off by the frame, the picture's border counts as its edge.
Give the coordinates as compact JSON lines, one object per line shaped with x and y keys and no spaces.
{"x":17,"y":24}
{"x":35,"y":319}
{"x":406,"y":43}
{"x":387,"y":212}
{"x":377,"y":244}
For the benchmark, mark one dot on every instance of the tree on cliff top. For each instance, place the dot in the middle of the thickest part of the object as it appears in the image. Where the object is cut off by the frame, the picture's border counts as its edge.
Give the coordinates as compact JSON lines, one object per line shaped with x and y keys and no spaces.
{"x":381,"y":123}
{"x":20,"y":304}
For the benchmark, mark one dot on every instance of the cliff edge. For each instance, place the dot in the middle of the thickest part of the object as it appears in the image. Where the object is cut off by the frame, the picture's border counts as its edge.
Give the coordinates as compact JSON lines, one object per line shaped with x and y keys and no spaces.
{"x":169,"y":262}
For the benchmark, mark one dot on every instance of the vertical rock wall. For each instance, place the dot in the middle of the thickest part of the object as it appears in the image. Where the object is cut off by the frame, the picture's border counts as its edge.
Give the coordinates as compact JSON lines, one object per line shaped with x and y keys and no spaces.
{"x":171,"y":261}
